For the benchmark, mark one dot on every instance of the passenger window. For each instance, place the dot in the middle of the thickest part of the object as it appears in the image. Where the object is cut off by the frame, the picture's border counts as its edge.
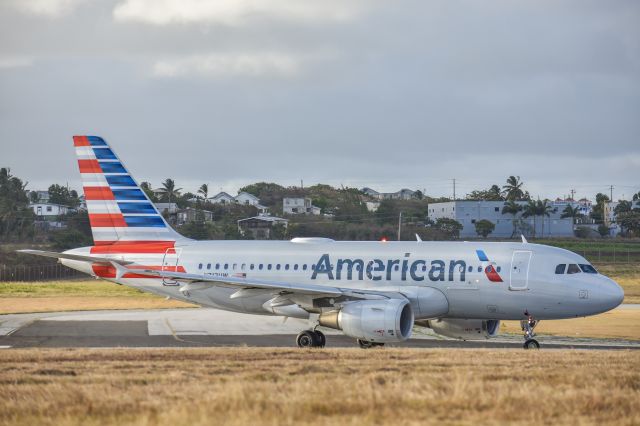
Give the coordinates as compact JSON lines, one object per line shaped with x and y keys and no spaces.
{"x":295,"y":267}
{"x":217,"y":266}
{"x":235,"y":265}
{"x":199,"y":265}
{"x":208,"y":266}
{"x":269,"y":266}
{"x":252,"y":266}
{"x":588,"y":269}
{"x":286,"y":267}
{"x":573,"y":269}
{"x":560,"y":268}
{"x":226,"y":266}
{"x":498,"y":269}
{"x":278,"y":266}
{"x":479,"y":268}
{"x":304,"y":267}
{"x":243,"y":266}
{"x":260,"y":266}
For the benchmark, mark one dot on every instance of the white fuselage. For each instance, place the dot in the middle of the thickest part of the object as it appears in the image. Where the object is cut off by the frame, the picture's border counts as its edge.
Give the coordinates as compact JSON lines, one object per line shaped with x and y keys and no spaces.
{"x":479,"y":280}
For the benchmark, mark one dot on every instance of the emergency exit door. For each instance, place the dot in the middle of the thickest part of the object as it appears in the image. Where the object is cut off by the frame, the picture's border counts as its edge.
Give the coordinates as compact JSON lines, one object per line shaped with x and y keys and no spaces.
{"x":519,"y":276}
{"x":170,"y":264}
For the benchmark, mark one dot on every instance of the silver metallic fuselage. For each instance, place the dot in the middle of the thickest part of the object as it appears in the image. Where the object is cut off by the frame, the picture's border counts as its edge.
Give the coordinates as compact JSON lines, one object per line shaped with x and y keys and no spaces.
{"x":528,"y":282}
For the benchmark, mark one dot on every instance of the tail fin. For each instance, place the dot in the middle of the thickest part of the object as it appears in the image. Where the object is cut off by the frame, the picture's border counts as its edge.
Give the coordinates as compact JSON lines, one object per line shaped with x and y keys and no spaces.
{"x":119,"y":211}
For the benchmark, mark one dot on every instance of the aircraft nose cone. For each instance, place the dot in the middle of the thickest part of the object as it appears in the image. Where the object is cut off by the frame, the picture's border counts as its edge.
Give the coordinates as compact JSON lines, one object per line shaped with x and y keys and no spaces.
{"x":612,"y":294}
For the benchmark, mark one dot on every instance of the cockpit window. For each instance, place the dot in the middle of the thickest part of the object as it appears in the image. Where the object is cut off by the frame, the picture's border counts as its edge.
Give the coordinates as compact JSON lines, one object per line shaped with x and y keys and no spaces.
{"x":573,"y":269}
{"x":588,"y":269}
{"x":560,"y":268}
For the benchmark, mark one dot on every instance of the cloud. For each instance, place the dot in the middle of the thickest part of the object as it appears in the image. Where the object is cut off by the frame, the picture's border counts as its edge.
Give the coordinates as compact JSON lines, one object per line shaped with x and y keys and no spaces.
{"x":232,"y":12}
{"x":15,"y":62}
{"x":237,"y":64}
{"x":50,"y":8}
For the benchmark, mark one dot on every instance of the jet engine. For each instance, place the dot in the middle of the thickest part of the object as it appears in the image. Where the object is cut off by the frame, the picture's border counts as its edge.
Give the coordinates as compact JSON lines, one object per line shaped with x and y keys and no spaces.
{"x":382,"y":321}
{"x":464,"y":329}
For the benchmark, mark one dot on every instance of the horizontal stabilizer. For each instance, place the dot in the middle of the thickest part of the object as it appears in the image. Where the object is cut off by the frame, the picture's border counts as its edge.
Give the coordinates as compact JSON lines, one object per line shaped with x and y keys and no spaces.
{"x":79,"y":257}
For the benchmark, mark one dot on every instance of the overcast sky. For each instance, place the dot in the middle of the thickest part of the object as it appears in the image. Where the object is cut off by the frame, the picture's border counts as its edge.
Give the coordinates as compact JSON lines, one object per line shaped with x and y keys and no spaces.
{"x":360,"y":93}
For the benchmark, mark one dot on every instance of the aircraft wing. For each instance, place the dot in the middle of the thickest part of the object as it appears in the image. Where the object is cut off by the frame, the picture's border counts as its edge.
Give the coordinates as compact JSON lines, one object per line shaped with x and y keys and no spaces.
{"x":93,"y":259}
{"x":245,"y":286}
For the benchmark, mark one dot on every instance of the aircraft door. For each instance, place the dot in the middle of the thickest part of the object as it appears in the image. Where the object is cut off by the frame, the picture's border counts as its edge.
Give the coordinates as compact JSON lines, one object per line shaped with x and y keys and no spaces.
{"x":519,"y":275}
{"x":170,"y":264}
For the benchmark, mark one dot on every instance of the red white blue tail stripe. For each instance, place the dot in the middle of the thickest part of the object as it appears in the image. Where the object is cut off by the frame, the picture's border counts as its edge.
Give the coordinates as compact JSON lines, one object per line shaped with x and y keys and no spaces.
{"x":120,"y":212}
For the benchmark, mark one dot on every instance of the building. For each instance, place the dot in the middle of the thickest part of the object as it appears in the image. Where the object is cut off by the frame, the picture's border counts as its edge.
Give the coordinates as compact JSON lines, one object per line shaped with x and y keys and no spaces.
{"x":467,"y":213}
{"x":167,"y":208}
{"x":610,"y":216}
{"x":39,"y":196}
{"x":192,"y":215}
{"x":49,"y":211}
{"x":372,"y":206}
{"x":403,"y":194}
{"x":260,"y":227}
{"x":299,"y":206}
{"x":222,"y":198}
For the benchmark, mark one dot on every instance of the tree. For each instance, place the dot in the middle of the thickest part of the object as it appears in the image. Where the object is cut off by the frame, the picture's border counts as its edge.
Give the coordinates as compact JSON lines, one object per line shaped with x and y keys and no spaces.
{"x":16,"y":217}
{"x":512,"y":208}
{"x":169,"y":191}
{"x":450,"y":227}
{"x":629,"y":221}
{"x":146,"y":187}
{"x":544,"y":209}
{"x":61,"y":195}
{"x":484,"y":227}
{"x":622,"y":207}
{"x":531,"y":210}
{"x":513,"y":189}
{"x":491,"y":194}
{"x":636,"y":197}
{"x":204,"y":191}
{"x":603,"y":230}
{"x":597,"y":213}
{"x":418,"y":195}
{"x":572,"y":212}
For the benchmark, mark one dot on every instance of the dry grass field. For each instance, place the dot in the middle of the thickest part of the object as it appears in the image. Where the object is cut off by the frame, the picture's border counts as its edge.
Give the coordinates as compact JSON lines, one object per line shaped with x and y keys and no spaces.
{"x":618,"y":324}
{"x":627,"y":275}
{"x":245,"y":386}
{"x":58,"y":296}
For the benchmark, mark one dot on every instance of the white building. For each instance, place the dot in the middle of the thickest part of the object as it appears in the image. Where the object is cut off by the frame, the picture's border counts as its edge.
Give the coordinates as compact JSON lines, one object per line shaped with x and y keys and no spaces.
{"x":403,"y":194}
{"x":167,"y":208}
{"x":467,"y":213}
{"x":40,"y":196}
{"x":299,"y":206}
{"x":49,"y":210}
{"x":261,"y":226}
{"x":610,"y":216}
{"x":222,"y":198}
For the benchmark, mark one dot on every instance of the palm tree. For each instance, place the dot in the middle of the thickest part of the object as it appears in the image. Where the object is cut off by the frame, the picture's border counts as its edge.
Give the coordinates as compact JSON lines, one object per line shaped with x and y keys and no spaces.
{"x":169,"y":190}
{"x":531,"y":209}
{"x":204,"y":190}
{"x":544,"y":209}
{"x":512,"y":208}
{"x":572,"y":212}
{"x":513,"y":189}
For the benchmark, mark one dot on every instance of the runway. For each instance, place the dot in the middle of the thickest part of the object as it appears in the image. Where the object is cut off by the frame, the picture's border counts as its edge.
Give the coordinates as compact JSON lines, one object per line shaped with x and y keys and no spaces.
{"x":212,"y":328}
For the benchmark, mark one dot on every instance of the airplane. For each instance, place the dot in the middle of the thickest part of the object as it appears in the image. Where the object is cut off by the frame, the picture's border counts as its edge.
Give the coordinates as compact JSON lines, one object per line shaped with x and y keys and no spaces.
{"x":374,"y":291}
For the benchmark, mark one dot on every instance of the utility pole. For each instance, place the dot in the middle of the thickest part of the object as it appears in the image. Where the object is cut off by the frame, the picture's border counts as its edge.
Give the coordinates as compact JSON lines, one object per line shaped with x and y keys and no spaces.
{"x":454,"y":189}
{"x":399,"y":225}
{"x":301,"y":184}
{"x":573,"y":191}
{"x":611,"y":192}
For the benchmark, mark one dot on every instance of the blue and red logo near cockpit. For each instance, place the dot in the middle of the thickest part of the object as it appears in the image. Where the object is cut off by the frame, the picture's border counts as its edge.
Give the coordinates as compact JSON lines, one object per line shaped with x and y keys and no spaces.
{"x":490,"y":269}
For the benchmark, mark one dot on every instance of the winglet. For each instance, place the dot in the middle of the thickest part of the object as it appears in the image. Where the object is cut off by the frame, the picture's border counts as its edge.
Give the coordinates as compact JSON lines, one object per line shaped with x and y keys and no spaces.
{"x":524,"y":240}
{"x":120,"y":270}
{"x":418,"y":239}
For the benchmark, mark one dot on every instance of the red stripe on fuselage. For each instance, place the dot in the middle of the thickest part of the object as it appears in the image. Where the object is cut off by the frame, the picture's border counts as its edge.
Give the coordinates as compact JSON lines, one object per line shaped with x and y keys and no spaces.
{"x":89,"y":166}
{"x":492,"y":274}
{"x":111,"y":247}
{"x":81,"y":141}
{"x":98,"y":193}
{"x":106,"y":220}
{"x":104,"y":271}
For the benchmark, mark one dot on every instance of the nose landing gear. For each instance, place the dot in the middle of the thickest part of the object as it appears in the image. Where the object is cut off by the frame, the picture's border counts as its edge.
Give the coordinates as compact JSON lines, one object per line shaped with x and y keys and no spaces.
{"x":528,"y":326}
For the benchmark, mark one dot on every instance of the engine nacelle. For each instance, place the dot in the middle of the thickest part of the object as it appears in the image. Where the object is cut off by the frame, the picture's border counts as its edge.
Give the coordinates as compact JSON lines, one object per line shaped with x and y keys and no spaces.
{"x":384,"y":321}
{"x":464,"y":329}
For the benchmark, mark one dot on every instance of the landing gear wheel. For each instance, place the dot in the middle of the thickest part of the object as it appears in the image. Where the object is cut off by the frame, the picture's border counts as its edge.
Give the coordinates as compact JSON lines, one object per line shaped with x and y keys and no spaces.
{"x":531,"y":344}
{"x":364,"y":344}
{"x":306,"y":339}
{"x":321,"y":340}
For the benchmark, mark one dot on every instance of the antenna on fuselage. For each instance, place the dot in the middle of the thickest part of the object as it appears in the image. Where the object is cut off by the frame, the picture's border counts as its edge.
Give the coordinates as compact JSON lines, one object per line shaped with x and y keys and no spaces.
{"x":524,"y":240}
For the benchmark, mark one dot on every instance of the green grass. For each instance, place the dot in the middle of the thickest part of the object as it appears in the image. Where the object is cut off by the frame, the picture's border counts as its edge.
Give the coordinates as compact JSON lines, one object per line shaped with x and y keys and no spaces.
{"x":94,"y":288}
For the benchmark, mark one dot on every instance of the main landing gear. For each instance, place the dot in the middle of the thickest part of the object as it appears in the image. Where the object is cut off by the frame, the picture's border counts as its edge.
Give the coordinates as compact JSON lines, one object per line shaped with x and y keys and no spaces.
{"x":365,"y":344}
{"x":528,"y":326}
{"x":311,"y":339}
